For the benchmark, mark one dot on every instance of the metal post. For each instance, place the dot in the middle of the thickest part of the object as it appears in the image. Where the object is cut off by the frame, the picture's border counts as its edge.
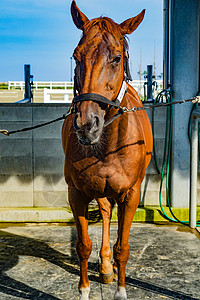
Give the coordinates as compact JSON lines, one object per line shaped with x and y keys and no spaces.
{"x":193,"y":168}
{"x":165,"y":43}
{"x":27,"y":75}
{"x":149,"y":82}
{"x":71,"y":58}
{"x":184,"y":40}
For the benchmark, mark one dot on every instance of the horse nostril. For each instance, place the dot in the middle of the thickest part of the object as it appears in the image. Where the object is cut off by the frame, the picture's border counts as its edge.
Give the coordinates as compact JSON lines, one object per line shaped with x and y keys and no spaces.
{"x":97,"y":121}
{"x":93,"y":122}
{"x":75,"y":122}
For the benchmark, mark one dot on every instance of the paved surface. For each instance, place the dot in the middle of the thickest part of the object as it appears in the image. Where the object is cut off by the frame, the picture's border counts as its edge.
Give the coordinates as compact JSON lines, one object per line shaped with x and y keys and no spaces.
{"x":40,"y":262}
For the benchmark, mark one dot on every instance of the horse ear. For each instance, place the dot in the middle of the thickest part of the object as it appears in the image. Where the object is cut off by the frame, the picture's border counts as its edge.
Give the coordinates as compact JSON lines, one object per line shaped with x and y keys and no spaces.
{"x":78,"y":17}
{"x":131,"y":24}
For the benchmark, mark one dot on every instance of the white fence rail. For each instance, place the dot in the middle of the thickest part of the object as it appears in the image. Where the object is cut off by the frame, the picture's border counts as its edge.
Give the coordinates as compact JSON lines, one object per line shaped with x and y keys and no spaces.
{"x":138,"y":85}
{"x":41,"y":84}
{"x":57,"y":96}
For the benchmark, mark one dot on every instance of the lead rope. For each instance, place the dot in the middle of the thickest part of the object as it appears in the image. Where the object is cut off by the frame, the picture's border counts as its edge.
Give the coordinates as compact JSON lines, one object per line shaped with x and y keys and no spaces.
{"x":118,"y":114}
{"x":135,"y":109}
{"x":8,"y":133}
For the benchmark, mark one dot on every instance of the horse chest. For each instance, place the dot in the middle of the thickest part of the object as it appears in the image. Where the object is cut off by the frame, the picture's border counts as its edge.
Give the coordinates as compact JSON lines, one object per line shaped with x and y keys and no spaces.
{"x":98,"y":178}
{"x":114,"y":173}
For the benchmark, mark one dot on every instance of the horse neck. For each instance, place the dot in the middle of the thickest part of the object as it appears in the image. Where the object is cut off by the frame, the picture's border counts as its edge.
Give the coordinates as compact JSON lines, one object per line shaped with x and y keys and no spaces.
{"x":117,"y":133}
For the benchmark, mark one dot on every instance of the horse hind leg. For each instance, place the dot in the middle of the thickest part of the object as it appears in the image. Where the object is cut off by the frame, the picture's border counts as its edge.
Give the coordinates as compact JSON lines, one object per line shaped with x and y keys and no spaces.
{"x":115,"y":271}
{"x":106,"y":268}
{"x":126,"y":211}
{"x":79,"y":207}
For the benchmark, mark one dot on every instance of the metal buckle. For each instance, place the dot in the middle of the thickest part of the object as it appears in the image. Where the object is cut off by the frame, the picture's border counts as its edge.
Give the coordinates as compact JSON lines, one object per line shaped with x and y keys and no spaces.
{"x":125,"y":109}
{"x":196,"y":99}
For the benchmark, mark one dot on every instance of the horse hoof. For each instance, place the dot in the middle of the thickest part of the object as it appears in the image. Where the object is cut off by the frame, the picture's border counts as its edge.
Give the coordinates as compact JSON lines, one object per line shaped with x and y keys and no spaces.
{"x":120,"y":294}
{"x":84,"y":293}
{"x":107,"y":278}
{"x":115,"y":271}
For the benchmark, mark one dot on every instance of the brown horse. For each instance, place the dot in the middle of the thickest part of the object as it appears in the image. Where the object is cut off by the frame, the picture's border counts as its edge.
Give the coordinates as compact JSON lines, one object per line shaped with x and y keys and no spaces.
{"x":104,"y":160}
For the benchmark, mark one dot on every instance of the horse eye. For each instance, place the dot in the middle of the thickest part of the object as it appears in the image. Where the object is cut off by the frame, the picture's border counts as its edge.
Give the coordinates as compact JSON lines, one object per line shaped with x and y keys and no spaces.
{"x":117,"y":59}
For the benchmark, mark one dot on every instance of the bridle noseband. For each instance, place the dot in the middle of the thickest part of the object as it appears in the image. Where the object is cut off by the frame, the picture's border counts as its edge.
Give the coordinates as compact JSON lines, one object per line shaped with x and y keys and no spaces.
{"x":103,"y":100}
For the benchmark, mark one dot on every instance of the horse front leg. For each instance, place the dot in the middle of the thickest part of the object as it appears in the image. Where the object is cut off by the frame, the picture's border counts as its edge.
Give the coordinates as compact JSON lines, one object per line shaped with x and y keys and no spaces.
{"x":79,"y":206}
{"x":126,"y":211}
{"x":106,"y":268}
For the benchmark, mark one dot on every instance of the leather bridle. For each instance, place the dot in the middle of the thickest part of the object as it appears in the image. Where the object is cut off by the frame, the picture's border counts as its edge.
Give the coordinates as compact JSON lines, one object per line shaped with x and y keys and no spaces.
{"x":103,"y":101}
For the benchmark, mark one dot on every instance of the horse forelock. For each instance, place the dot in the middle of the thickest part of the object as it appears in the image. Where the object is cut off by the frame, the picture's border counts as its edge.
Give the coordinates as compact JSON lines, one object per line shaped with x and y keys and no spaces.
{"x":105,"y":25}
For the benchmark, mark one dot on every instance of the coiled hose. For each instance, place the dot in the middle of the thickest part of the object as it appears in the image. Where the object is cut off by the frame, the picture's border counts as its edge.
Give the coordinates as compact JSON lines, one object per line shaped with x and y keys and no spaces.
{"x":167,"y":96}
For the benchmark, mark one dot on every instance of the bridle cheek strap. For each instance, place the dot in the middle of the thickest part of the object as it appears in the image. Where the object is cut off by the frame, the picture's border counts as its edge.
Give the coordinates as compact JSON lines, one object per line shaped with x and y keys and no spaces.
{"x":122,"y":91}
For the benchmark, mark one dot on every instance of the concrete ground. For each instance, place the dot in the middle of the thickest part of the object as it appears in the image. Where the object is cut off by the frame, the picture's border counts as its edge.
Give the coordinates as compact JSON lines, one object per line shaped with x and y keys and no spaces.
{"x":40,"y":262}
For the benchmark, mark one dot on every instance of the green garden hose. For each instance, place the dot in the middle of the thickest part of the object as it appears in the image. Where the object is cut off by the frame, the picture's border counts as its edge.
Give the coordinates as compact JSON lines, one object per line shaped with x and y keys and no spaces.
{"x":167,"y":152}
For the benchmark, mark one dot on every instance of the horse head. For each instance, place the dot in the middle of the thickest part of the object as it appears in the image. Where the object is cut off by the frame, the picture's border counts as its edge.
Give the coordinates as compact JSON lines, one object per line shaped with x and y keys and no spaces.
{"x":100,"y":68}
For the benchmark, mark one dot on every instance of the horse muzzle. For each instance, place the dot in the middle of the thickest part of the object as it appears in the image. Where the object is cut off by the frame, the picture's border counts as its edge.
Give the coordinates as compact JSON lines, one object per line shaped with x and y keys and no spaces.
{"x":88,"y":129}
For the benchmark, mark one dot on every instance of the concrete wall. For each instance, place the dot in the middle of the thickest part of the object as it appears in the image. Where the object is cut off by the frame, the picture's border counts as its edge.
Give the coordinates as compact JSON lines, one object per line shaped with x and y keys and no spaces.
{"x":31,"y":163}
{"x":151,"y":183}
{"x":31,"y":172}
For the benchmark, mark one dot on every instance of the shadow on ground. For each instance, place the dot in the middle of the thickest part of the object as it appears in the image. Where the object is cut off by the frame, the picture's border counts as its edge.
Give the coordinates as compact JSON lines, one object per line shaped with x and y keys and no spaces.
{"x":12,"y":246}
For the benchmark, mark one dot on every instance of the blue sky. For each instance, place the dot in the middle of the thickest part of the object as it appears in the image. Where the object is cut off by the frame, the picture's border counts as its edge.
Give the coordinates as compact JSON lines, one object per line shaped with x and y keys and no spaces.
{"x":41,"y":33}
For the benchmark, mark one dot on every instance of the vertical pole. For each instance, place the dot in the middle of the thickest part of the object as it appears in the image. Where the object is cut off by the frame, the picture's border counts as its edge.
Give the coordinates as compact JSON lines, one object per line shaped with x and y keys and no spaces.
{"x":193,"y":170}
{"x":140,"y":94}
{"x":149,"y":82}
{"x":184,"y":40}
{"x":71,"y":67}
{"x":27,"y":94}
{"x":154,"y":63}
{"x":165,"y":43}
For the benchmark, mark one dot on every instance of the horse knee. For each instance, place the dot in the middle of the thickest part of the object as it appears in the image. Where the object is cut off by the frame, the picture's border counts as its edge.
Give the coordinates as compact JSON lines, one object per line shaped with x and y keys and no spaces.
{"x":121,"y":254}
{"x":84,"y":249}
